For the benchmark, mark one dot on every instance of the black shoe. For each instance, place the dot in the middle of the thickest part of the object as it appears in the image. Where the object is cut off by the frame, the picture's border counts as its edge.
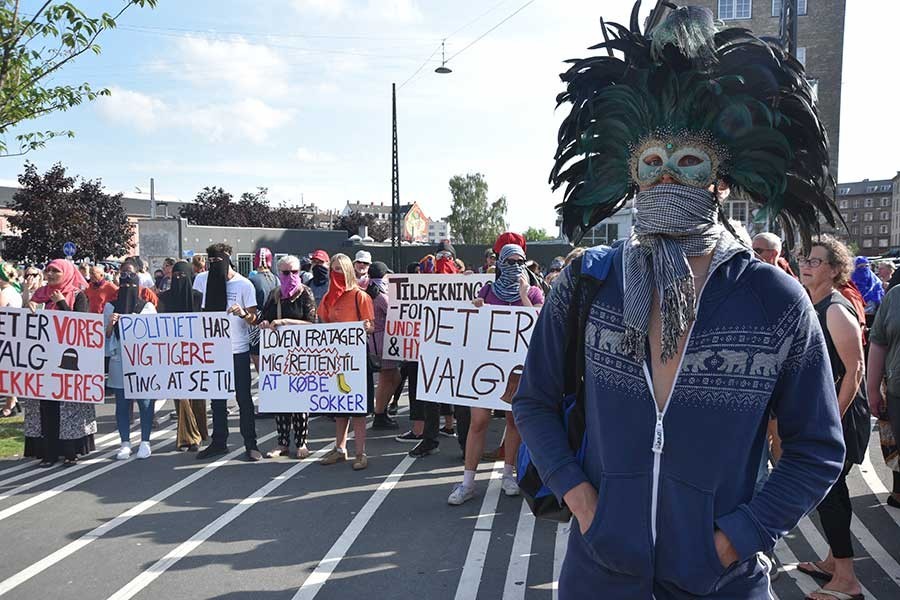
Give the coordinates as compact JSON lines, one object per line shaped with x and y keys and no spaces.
{"x":212,"y":451}
{"x":891,"y":501}
{"x":383,"y":421}
{"x":448,"y":431}
{"x":193,"y":448}
{"x":424,"y":448}
{"x":409,"y":437}
{"x":393,"y":409}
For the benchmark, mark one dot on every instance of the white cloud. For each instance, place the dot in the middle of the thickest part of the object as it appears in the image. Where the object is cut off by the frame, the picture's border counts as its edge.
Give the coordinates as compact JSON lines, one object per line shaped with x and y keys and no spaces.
{"x":391,"y":11}
{"x":249,"y":119}
{"x":305,"y":155}
{"x":247,"y":68}
{"x":144,"y":113}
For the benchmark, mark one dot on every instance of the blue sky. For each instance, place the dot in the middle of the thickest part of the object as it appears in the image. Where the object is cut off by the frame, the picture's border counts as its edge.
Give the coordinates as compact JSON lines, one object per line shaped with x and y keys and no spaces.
{"x":294,"y":95}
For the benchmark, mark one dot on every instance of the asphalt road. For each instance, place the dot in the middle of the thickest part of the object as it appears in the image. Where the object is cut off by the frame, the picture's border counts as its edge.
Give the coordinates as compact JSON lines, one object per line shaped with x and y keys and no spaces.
{"x":175,"y":527}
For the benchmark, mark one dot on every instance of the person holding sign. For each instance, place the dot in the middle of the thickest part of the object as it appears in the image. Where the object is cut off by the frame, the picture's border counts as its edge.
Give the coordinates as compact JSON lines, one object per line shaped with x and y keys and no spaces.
{"x":346,"y":303}
{"x":224,"y":289}
{"x":182,"y":298}
{"x":66,"y":428}
{"x":11,"y":296}
{"x":511,"y":288}
{"x":389,"y":374}
{"x":291,"y":303}
{"x":128,"y":302}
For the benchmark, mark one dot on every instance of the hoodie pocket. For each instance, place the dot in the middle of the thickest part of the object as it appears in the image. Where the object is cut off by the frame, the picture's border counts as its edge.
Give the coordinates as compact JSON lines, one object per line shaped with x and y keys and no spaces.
{"x":685,"y":547}
{"x":619,"y":535}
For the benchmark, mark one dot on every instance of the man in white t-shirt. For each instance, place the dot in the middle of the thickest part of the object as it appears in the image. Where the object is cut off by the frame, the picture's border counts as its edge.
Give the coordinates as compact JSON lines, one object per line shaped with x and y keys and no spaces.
{"x":224,"y":289}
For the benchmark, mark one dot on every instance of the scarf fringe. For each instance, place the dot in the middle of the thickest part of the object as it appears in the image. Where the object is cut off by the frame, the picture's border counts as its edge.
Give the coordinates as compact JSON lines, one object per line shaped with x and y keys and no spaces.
{"x":678,"y":310}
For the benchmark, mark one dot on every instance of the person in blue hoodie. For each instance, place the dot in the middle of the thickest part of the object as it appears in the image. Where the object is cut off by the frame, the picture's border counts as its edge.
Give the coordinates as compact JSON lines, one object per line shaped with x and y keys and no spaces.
{"x":691,"y":343}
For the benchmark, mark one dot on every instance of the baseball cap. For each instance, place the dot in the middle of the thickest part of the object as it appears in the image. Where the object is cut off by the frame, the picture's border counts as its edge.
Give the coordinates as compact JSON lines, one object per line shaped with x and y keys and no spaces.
{"x":364,"y":256}
{"x":320,"y":255}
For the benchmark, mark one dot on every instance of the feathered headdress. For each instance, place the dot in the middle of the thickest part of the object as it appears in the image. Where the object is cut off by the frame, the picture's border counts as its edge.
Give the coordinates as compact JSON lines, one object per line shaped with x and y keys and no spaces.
{"x":742,"y":96}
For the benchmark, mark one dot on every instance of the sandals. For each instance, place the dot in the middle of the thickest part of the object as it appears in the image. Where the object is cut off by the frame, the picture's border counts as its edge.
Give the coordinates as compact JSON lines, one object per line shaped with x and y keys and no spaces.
{"x":837,"y":595}
{"x":278,"y":451}
{"x":816,"y":572}
{"x":302,"y":452}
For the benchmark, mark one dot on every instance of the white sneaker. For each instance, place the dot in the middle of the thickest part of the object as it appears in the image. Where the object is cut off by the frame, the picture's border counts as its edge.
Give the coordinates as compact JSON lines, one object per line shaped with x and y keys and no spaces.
{"x":144,"y":450}
{"x":460,"y":495}
{"x":124,"y":452}
{"x":509,"y":486}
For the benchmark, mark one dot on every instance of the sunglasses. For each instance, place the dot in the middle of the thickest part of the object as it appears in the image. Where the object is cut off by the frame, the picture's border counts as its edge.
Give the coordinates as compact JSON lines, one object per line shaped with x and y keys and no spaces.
{"x":31,"y":274}
{"x":812,"y":262}
{"x":293,"y":272}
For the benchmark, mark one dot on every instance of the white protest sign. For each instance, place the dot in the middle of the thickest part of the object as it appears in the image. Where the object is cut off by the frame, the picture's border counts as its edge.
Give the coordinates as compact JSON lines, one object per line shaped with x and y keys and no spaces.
{"x":313,"y":369}
{"x":409,"y":294}
{"x":466,"y":355}
{"x":177,"y":355}
{"x":51,"y":355}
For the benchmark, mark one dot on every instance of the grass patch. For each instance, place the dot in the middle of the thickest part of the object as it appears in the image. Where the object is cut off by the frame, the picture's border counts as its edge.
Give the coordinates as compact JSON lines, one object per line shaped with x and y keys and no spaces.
{"x":12,"y":436}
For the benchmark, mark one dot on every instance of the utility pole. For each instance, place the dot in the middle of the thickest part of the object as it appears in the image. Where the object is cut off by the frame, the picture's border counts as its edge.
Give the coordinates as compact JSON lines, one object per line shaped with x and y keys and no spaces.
{"x":395,"y":190}
{"x":152,"y":200}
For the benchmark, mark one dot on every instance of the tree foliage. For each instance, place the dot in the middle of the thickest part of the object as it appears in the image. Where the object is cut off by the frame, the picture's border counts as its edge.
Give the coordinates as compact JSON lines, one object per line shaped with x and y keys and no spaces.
{"x":533,"y":234}
{"x":473,"y":219}
{"x":214,"y":206}
{"x":53,"y":209}
{"x":33,"y":48}
{"x":352,"y":221}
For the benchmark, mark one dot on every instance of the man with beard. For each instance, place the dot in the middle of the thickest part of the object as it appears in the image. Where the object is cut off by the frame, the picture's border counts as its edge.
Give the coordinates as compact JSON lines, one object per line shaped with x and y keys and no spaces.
{"x":689,"y":345}
{"x":224,"y":289}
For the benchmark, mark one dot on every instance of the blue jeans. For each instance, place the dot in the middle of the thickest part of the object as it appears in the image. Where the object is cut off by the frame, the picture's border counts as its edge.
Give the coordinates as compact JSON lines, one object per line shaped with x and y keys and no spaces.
{"x":123,"y":416}
{"x":245,"y":404}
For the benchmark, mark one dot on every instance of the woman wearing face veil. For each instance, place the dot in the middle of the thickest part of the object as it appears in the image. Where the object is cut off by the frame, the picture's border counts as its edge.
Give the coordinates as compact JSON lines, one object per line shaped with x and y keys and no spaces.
{"x":182,"y":298}
{"x":128,"y":302}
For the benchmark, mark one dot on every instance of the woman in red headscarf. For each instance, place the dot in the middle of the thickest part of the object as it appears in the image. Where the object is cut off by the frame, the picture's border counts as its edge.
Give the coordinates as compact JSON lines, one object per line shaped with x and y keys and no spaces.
{"x":67,"y":428}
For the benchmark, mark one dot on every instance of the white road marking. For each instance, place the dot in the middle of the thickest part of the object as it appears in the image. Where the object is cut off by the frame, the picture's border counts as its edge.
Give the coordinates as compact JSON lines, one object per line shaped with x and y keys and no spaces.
{"x":873,"y":481}
{"x":79,"y":466}
{"x":559,"y":553}
{"x":789,"y":563}
{"x":140,"y":582}
{"x":327,"y":565}
{"x":470,"y":579}
{"x":517,"y":572}
{"x":46,"y":495}
{"x":45,"y":563}
{"x":818,"y":543}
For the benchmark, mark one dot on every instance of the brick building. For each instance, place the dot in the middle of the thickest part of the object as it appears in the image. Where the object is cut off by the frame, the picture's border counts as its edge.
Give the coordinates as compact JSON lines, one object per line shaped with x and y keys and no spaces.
{"x":867,"y":207}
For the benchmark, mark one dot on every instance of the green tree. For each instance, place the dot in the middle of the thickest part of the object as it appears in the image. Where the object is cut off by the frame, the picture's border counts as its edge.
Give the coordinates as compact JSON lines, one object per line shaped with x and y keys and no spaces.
{"x":353,"y":221}
{"x":212,"y":206}
{"x":33,"y":48}
{"x":533,"y":234}
{"x":216,"y":207}
{"x":53,"y":209}
{"x":473,"y":219}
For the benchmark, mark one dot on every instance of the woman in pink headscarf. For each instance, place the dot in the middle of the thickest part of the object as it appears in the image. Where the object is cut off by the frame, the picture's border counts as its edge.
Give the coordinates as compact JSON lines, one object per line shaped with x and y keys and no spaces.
{"x":66,"y":429}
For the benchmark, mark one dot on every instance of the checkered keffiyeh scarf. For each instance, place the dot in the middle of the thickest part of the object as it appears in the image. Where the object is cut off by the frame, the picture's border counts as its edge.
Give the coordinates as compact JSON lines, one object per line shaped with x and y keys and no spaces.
{"x":672,"y":223}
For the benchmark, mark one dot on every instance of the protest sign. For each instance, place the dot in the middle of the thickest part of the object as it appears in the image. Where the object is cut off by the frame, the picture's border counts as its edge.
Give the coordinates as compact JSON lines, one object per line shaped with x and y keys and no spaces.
{"x":313,"y":369}
{"x":466,"y":355}
{"x":177,"y":355}
{"x":51,"y":355}
{"x":409,"y":294}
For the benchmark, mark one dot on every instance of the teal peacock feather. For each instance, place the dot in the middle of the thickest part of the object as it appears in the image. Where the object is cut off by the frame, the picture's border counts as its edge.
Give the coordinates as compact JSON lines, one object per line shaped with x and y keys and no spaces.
{"x":747,"y":96}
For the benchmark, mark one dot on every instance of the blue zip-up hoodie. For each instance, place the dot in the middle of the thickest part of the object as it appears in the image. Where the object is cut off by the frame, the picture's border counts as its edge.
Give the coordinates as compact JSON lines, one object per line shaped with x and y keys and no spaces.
{"x":667,"y":480}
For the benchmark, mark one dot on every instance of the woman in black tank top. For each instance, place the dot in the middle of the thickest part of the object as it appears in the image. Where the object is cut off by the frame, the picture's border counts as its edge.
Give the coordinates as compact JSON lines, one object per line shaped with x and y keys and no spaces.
{"x":826,"y":268}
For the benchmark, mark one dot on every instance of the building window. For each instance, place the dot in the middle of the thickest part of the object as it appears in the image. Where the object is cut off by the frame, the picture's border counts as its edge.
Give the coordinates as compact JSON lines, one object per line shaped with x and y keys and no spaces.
{"x":845,"y":217}
{"x":867,"y":243}
{"x":885,"y":202}
{"x":734,"y":9}
{"x":886,"y":188}
{"x":854,"y":217}
{"x":883,"y":229}
{"x":882,"y":243}
{"x":845,"y":204}
{"x":869,"y":203}
{"x":245,"y":264}
{"x":844,"y":191}
{"x":867,"y":230}
{"x":885,"y":216}
{"x":602,"y":233}
{"x":856,"y":203}
{"x":854,"y":230}
{"x":867,"y":216}
{"x":776,"y":7}
{"x":801,"y":55}
{"x":871,"y":188}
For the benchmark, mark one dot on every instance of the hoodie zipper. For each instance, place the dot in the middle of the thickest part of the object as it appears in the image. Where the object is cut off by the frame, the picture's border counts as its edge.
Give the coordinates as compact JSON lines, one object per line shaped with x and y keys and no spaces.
{"x":659,"y":432}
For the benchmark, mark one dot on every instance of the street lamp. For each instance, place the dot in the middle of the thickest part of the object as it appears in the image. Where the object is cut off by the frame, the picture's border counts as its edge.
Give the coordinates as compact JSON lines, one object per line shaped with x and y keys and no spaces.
{"x":443,"y":69}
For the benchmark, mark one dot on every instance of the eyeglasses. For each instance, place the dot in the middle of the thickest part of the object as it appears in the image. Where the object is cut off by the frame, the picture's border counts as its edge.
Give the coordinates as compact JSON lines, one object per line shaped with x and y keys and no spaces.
{"x":812,"y":262}
{"x":294,"y":272}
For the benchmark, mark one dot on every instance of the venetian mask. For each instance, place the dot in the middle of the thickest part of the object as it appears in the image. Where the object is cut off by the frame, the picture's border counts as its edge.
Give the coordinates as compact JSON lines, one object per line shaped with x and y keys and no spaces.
{"x":689,"y":161}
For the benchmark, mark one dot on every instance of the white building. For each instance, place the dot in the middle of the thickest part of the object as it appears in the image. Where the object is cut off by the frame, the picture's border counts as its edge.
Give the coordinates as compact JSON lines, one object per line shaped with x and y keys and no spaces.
{"x":438,"y":231}
{"x":608,"y":230}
